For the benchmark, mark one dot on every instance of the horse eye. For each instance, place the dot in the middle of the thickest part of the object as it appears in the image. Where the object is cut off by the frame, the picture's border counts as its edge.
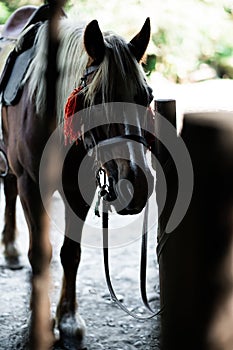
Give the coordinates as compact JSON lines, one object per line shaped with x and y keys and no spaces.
{"x":98,"y":98}
{"x":146,"y":98}
{"x":150,"y":94}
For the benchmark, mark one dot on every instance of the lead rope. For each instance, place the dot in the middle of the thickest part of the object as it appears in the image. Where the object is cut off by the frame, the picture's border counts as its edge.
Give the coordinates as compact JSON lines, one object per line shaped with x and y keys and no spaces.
{"x":143,"y":265}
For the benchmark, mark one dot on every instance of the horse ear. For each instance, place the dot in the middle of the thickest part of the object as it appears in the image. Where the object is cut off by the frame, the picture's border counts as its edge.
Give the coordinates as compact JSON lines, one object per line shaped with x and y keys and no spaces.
{"x":140,"y":42}
{"x":94,"y":42}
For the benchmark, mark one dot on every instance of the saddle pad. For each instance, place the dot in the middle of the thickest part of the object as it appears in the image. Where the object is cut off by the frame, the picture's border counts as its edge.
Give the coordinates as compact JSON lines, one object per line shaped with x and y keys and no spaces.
{"x":13,"y":90}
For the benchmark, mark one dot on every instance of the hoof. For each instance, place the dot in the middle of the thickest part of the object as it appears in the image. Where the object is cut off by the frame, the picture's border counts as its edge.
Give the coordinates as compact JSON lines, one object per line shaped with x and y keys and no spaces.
{"x":12,"y":257}
{"x":67,"y":343}
{"x":11,"y":251}
{"x":33,"y":340}
{"x":13,"y":264}
{"x":73,"y":326}
{"x":41,"y":340}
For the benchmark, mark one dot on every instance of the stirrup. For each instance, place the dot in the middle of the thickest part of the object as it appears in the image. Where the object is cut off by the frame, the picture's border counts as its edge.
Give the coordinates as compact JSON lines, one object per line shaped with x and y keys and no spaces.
{"x":3,"y":157}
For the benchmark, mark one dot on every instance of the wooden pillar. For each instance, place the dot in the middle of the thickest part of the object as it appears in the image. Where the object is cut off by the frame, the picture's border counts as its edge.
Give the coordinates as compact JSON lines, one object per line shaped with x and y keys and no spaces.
{"x":196,"y":259}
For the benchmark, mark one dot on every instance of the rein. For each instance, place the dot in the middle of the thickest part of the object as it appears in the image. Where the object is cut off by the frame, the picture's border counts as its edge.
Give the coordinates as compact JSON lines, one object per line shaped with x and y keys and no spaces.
{"x":104,"y":194}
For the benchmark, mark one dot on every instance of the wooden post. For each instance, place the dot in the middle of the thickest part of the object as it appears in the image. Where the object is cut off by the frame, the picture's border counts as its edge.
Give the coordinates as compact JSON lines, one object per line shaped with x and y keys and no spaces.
{"x":195,"y":261}
{"x":55,"y":12}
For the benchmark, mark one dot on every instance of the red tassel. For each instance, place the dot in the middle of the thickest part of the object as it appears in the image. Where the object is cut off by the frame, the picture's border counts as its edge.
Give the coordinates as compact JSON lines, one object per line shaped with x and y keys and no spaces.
{"x":73,"y":105}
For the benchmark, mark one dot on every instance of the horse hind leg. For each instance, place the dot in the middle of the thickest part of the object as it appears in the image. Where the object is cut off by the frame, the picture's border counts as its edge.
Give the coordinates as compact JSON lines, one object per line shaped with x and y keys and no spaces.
{"x":9,"y":231}
{"x":40,"y":253}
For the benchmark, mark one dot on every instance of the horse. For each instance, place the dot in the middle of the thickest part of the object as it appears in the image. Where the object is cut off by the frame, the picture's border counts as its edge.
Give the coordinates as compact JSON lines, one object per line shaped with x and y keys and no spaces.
{"x":109,"y":69}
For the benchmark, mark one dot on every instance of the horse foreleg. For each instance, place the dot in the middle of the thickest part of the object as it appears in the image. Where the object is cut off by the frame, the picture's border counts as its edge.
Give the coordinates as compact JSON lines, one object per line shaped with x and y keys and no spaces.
{"x":9,"y":232}
{"x":40,"y":253}
{"x":70,"y":324}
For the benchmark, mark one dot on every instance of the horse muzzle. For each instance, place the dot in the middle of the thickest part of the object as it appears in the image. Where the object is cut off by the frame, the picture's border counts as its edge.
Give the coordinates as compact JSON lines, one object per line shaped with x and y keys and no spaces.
{"x":130,"y":197}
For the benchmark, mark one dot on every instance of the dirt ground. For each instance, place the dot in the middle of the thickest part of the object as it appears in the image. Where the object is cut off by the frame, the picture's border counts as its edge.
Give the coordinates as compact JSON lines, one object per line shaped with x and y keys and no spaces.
{"x":108,"y":327}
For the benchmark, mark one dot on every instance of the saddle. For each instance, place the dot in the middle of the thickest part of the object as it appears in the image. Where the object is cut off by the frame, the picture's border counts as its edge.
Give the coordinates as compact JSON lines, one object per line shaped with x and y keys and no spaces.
{"x":11,"y":30}
{"x":23,"y":23}
{"x":17,"y":22}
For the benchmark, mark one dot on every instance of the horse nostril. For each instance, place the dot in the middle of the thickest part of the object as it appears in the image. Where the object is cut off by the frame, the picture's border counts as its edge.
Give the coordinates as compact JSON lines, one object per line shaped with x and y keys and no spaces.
{"x":150,"y":183}
{"x":125,"y":191}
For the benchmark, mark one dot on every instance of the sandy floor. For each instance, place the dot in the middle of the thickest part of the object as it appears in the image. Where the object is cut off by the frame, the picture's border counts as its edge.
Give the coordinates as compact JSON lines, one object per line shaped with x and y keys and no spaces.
{"x":107,"y":326}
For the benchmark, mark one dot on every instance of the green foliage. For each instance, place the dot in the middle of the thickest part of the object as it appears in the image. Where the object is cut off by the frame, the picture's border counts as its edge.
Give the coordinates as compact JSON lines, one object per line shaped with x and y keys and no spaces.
{"x":12,"y":5}
{"x":4,"y":12}
{"x":191,"y":33}
{"x":185,"y":33}
{"x":149,"y":65}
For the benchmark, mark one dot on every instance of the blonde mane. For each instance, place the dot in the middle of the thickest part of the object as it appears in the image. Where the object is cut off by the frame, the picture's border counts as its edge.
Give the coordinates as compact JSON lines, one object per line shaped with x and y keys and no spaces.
{"x":118,"y":70}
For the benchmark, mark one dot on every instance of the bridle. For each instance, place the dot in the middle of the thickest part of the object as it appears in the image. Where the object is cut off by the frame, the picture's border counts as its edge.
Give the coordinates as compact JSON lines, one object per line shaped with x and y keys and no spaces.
{"x":91,"y":144}
{"x":105,"y":196}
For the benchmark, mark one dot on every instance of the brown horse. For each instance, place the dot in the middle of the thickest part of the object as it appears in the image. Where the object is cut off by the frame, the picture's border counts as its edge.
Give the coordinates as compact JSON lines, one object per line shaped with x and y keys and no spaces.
{"x":110,"y":72}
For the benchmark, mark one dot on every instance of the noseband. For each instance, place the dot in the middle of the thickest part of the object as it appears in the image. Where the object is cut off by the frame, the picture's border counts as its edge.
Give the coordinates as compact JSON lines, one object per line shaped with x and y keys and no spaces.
{"x":90,"y":142}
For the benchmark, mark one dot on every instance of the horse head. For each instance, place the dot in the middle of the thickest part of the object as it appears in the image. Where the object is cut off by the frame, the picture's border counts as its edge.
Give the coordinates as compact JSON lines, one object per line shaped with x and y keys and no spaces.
{"x":118,"y":96}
